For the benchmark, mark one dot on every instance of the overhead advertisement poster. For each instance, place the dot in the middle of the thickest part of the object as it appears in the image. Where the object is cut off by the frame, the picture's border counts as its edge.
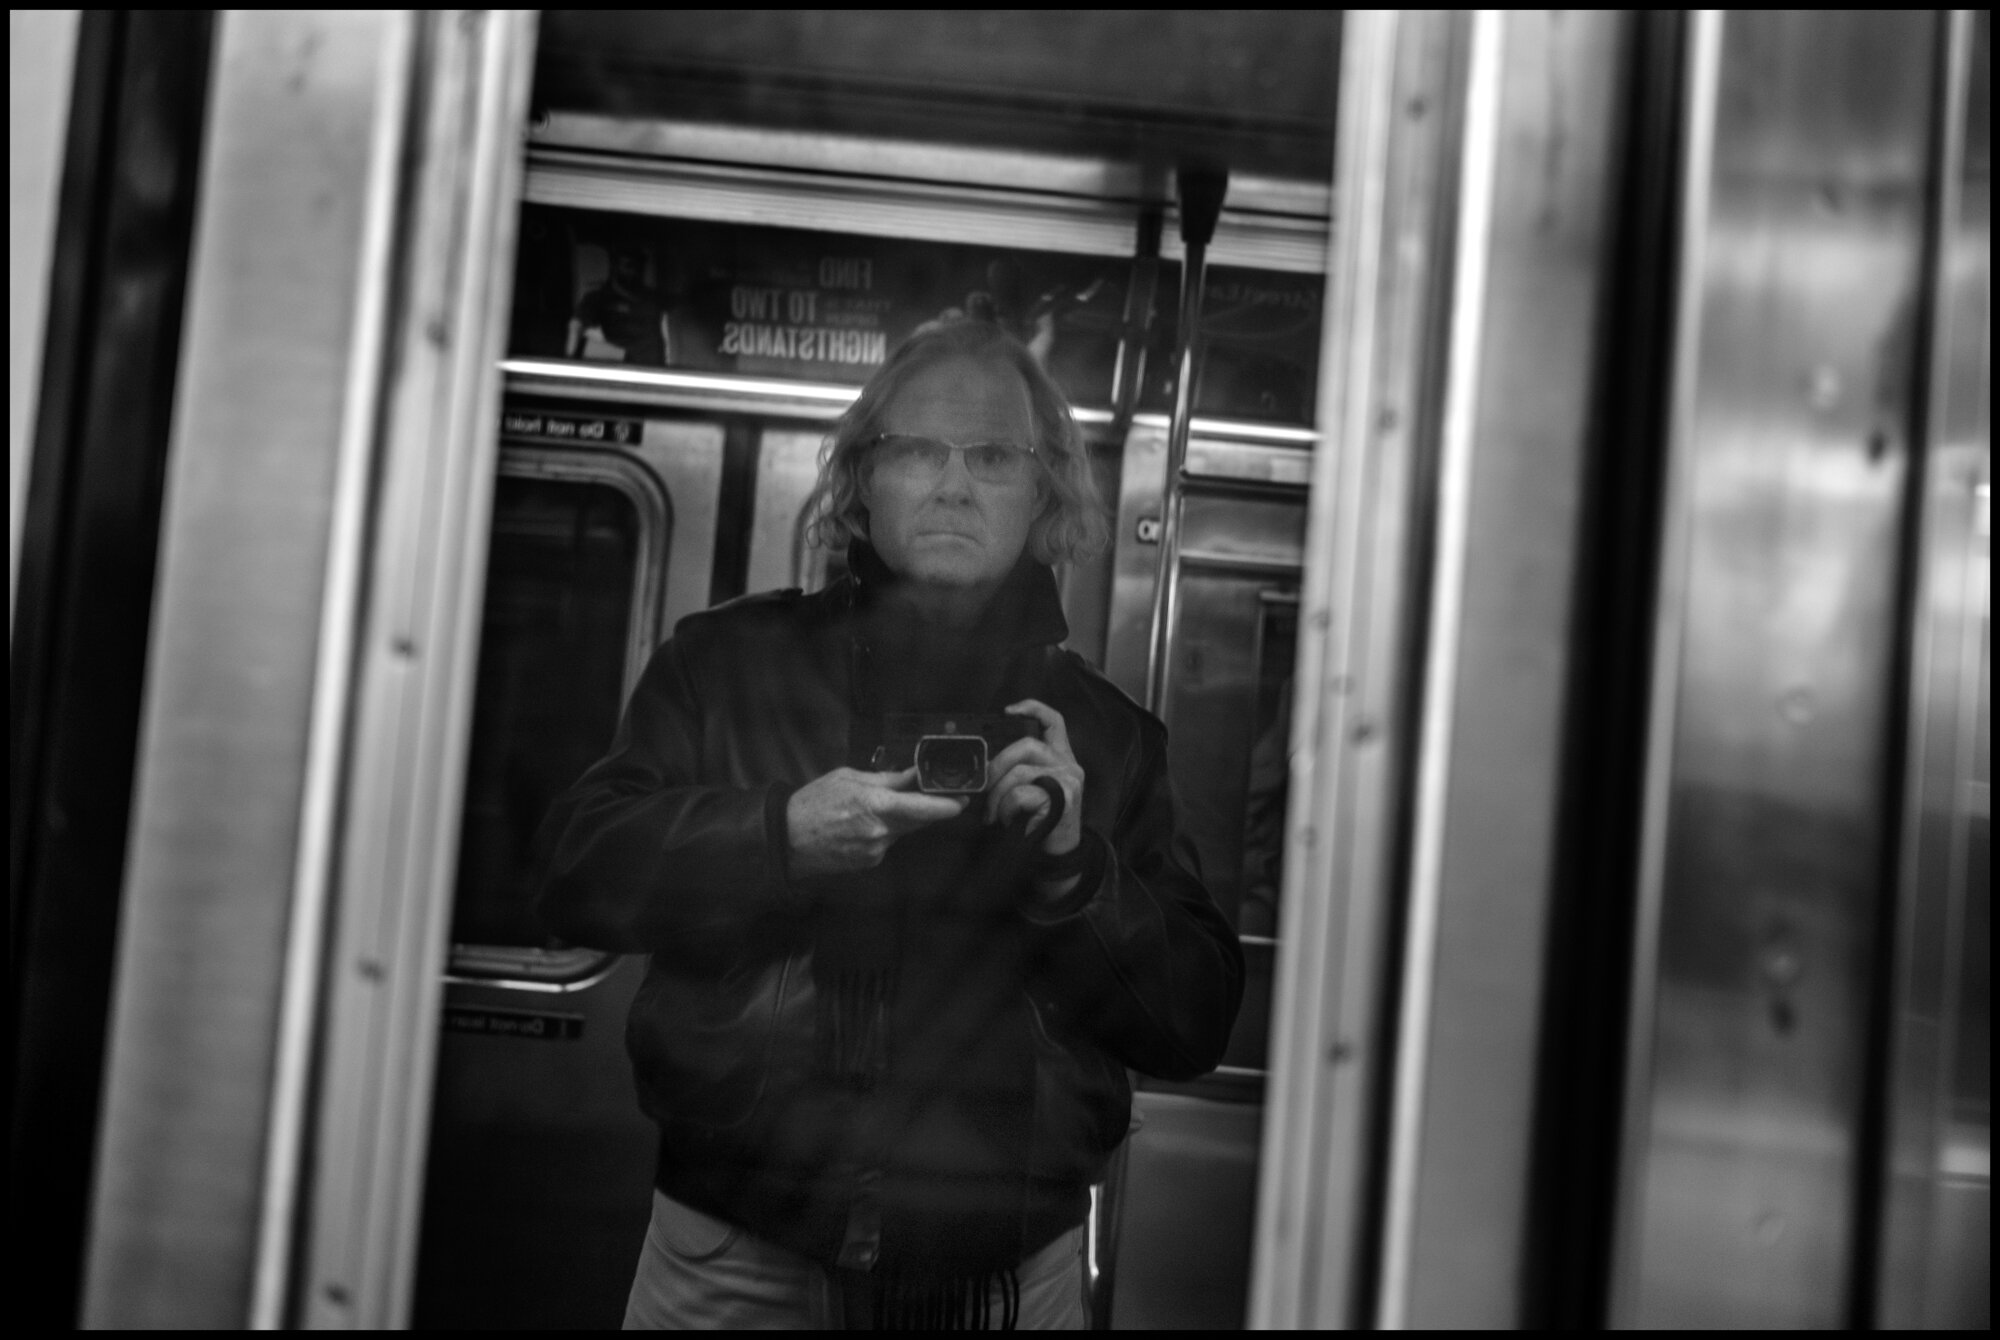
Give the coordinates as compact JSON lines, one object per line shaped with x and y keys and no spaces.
{"x":831,"y":307}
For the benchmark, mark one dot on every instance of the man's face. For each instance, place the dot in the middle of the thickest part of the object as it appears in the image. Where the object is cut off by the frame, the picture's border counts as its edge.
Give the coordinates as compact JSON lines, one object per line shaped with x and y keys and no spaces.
{"x":954,"y":530}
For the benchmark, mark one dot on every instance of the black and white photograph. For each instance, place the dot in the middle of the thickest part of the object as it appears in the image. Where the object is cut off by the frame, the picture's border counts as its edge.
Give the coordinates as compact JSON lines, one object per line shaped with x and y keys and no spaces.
{"x":1000,"y":669}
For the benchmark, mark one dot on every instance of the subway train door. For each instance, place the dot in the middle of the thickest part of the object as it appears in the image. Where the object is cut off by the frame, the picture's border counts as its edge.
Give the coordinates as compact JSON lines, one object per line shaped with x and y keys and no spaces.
{"x":1808,"y":1092}
{"x":694,"y":303}
{"x":603,"y":534}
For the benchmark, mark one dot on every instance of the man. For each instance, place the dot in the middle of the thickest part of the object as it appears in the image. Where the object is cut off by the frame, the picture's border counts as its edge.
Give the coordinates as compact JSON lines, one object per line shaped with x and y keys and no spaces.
{"x":885,"y":1033}
{"x":624,"y":312}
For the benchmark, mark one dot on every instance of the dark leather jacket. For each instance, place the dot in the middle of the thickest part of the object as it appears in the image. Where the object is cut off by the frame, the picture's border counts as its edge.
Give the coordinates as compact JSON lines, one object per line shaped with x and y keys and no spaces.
{"x":674,"y":846}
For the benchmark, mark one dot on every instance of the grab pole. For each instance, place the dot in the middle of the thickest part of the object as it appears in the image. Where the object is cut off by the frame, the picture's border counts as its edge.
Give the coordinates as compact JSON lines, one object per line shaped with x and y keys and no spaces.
{"x":1201,"y":191}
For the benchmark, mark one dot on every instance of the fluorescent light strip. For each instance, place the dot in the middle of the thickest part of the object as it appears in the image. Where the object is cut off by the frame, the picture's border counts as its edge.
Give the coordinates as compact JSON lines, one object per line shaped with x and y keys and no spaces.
{"x":679,"y":381}
{"x":774,"y":389}
{"x":1232,"y":428}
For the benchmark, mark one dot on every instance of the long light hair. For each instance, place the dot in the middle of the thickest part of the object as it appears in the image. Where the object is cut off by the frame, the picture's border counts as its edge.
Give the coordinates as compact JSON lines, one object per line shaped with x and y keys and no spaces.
{"x":1070,"y":523}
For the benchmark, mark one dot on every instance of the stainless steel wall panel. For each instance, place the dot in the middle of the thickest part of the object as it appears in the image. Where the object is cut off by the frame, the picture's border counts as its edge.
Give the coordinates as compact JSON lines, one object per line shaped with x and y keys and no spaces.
{"x":1245,"y":500}
{"x":687,"y":459}
{"x":245,"y":541}
{"x":1934,"y":1257}
{"x":787,"y":468}
{"x":1221,"y":525}
{"x":1777,"y":672}
{"x":1135,"y":541}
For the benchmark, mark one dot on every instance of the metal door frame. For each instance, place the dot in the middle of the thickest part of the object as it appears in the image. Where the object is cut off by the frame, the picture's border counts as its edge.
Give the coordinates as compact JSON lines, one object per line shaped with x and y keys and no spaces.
{"x":291,"y":391}
{"x":1950,"y":553}
{"x":406,"y":597}
{"x":1353,"y":745}
{"x":1429,"y":763}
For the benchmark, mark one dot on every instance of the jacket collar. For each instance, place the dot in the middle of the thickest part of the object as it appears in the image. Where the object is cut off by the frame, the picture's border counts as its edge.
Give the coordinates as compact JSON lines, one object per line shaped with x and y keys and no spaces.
{"x":1026,"y":611}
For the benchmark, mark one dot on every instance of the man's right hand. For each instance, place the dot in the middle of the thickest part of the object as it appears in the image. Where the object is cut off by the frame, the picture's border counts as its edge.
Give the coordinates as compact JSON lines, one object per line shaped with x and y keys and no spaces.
{"x":848,"y":820}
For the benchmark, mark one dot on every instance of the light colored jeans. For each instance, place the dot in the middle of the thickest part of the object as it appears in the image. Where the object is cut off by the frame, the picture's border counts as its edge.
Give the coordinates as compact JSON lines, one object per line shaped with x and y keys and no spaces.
{"x":698,"y":1273}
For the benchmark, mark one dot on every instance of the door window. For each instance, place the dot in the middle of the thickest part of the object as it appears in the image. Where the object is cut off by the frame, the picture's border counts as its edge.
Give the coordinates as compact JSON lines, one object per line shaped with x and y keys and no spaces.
{"x":568,"y":616}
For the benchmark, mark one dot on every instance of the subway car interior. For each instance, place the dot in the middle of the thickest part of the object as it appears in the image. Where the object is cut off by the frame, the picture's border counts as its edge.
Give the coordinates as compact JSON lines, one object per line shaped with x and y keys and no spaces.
{"x":1547,"y":460}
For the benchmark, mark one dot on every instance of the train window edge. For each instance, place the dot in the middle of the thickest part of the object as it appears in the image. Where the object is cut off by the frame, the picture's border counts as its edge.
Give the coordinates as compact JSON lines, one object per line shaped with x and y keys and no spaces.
{"x":562,"y":969}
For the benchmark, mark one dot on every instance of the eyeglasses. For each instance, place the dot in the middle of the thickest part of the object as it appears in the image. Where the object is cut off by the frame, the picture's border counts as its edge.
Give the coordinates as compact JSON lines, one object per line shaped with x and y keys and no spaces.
{"x":923,"y":459}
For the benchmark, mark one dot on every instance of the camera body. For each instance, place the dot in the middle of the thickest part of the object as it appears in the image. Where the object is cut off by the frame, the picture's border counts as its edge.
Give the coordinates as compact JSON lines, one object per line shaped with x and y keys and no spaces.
{"x":950,"y":750}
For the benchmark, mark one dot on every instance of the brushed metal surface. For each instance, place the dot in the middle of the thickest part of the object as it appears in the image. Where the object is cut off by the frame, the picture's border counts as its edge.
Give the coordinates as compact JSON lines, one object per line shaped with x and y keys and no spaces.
{"x":409,"y":707}
{"x":1142,"y":480}
{"x":1217,"y":521}
{"x":1529,"y":430}
{"x":1934,"y":1262}
{"x":1350,"y":749}
{"x":1767,"y":812}
{"x":787,"y":467}
{"x":913,"y":160}
{"x":247,"y":539}
{"x":686,"y":457}
{"x":1234,"y":458}
{"x":41,"y":66}
{"x":982,"y":212}
{"x":1223,"y":520}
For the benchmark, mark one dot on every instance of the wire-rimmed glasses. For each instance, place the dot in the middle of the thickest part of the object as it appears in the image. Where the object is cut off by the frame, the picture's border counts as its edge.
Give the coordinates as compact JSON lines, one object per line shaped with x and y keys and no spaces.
{"x":924,"y":458}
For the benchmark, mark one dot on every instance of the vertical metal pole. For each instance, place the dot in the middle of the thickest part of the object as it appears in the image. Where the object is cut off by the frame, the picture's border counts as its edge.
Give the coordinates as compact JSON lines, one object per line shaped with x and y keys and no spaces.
{"x":1128,"y":374}
{"x":1201,"y":192}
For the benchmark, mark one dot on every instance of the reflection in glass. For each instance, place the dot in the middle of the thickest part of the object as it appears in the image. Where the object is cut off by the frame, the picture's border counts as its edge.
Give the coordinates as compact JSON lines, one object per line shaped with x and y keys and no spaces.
{"x":550,"y":685}
{"x":1270,"y":767}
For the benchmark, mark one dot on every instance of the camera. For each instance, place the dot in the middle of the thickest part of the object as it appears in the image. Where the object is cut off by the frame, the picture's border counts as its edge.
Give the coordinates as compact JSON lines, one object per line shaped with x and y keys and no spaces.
{"x":950,"y":750}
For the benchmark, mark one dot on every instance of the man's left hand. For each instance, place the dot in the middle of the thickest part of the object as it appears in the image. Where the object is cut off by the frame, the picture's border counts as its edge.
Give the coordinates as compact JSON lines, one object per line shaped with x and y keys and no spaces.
{"x":1011,"y":790}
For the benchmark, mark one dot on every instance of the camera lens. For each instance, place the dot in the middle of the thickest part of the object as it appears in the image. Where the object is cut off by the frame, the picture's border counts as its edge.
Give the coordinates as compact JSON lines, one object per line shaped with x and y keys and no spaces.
{"x":951,"y":764}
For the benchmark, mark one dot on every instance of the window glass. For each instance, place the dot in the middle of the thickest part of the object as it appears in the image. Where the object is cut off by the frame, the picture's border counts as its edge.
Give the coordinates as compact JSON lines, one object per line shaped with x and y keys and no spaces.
{"x":828,"y":307}
{"x":1269,"y":766}
{"x":552,"y":659}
